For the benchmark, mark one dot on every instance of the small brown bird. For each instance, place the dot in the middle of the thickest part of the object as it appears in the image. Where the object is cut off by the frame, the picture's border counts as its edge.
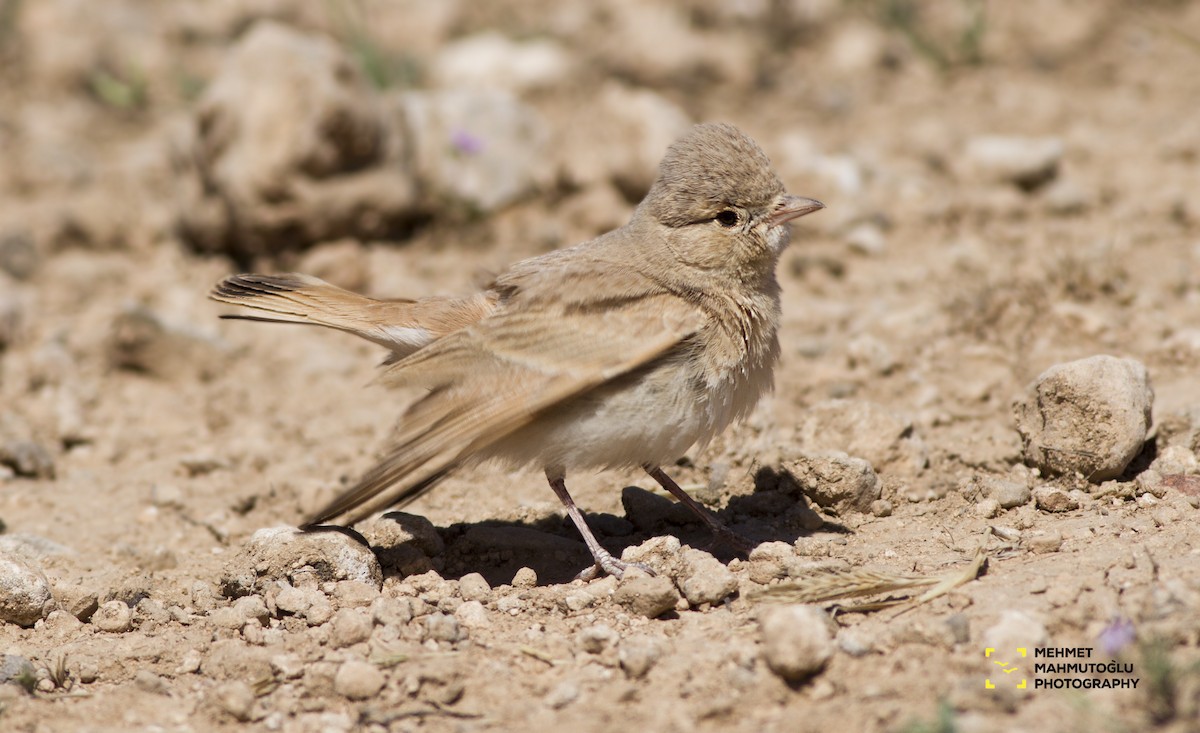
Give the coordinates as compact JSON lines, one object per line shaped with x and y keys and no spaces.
{"x":622,"y":351}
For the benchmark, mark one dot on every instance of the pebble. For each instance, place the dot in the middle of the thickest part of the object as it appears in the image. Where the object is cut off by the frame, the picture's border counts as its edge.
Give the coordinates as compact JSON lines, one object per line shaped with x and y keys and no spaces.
{"x":988,"y":508}
{"x":25,"y":595}
{"x":704,"y":579}
{"x":1089,"y":416}
{"x":235,"y":698}
{"x":442,"y":627}
{"x":285,"y":553}
{"x":113,"y":616}
{"x":472,"y":615}
{"x":358,"y":680}
{"x":27,"y":458}
{"x":1026,"y":162}
{"x":796,"y":643}
{"x":769,"y":561}
{"x":866,"y":238}
{"x":474,"y":587}
{"x":1045,"y":542}
{"x":349,"y":626}
{"x":489,"y":60}
{"x":1015,"y":630}
{"x":638,"y":654}
{"x":1051,"y":499}
{"x":1008,"y":494}
{"x":836,"y":480}
{"x":16,"y":669}
{"x":252,"y":608}
{"x":393,"y":612}
{"x":596,"y":639}
{"x":562,"y":694}
{"x":525,"y":578}
{"x":644,"y":595}
{"x":397,"y":528}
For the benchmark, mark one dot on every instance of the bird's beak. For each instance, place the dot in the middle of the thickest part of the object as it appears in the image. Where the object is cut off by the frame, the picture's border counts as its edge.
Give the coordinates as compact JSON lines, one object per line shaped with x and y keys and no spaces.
{"x":793,"y":207}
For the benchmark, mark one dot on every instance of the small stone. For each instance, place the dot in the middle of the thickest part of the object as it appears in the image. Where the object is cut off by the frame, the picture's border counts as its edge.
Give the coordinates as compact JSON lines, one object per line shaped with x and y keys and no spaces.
{"x":489,"y":60}
{"x":660,"y":553}
{"x":1008,"y":494}
{"x":637,"y":654}
{"x":355,"y":593}
{"x":320,"y":611}
{"x":252,"y":608}
{"x":114,"y":617}
{"x":358,"y":680}
{"x":562,"y":695}
{"x":349,"y":626}
{"x":15,"y":669}
{"x":290,"y":599}
{"x":882,"y":508}
{"x":1021,"y":161}
{"x":704,"y":579}
{"x":285,"y":553}
{"x":474,"y":587}
{"x":442,"y":627}
{"x":235,"y":698}
{"x":525,"y":578}
{"x":854,"y":643}
{"x":27,"y":458}
{"x":147,"y":681}
{"x":866,"y":238}
{"x":1012,"y":631}
{"x":227,"y":617}
{"x":1043,"y":543}
{"x":25,"y":595}
{"x":190,"y":662}
{"x":392,"y":612}
{"x":796,"y":643}
{"x":988,"y":508}
{"x":647,"y":596}
{"x":1089,"y":416}
{"x":472,"y":615}
{"x":396,"y":528}
{"x":836,"y":480}
{"x":769,"y":561}
{"x":596,"y":639}
{"x":1051,"y":499}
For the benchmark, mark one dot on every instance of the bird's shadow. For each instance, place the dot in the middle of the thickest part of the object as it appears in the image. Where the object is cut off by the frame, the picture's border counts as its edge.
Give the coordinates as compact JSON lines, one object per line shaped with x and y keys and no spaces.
{"x":776,"y":510}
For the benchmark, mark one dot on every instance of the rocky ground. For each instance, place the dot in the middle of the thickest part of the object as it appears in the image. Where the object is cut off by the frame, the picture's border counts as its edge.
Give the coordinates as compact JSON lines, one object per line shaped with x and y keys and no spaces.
{"x":1009,"y":191}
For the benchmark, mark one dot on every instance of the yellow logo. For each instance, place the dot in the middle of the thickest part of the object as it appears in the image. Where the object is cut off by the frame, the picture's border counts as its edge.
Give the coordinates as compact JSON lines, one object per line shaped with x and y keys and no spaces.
{"x":1006,"y":667}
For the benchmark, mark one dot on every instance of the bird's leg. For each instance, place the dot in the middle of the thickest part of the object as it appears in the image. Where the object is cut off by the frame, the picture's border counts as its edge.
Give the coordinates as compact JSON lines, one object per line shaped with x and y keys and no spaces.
{"x":733,"y":539}
{"x":605,"y":562}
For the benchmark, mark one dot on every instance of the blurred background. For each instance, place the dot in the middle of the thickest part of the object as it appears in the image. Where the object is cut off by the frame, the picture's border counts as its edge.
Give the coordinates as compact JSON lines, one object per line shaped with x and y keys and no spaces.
{"x":1009,"y":185}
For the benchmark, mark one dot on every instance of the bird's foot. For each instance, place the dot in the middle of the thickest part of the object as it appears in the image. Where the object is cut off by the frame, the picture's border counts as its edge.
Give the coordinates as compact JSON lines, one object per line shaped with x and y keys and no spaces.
{"x":606,"y":564}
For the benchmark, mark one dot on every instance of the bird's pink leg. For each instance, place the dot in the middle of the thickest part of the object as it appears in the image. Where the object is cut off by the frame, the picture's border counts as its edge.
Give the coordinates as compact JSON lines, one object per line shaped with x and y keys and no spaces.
{"x":605,"y":562}
{"x":727,"y":535}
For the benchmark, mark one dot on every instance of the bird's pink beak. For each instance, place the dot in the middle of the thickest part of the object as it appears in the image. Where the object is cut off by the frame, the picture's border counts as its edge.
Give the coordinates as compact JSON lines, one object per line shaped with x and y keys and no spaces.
{"x":793,"y":207}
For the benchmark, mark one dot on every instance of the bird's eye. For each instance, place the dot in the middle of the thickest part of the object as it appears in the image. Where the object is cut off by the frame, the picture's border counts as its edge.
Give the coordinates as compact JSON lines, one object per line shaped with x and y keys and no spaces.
{"x":727,"y":218}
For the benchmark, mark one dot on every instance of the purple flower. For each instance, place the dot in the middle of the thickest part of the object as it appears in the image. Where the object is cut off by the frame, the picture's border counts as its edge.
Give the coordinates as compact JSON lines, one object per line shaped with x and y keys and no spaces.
{"x":1116,"y":636}
{"x":466,"y":143}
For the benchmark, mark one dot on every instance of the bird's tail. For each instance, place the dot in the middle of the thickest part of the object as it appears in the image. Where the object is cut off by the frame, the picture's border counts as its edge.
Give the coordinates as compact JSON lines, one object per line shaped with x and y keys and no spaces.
{"x":400,"y":325}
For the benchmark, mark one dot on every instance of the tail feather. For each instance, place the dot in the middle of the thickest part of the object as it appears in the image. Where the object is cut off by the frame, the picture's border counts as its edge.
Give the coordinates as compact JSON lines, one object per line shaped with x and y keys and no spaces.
{"x":403,"y":326}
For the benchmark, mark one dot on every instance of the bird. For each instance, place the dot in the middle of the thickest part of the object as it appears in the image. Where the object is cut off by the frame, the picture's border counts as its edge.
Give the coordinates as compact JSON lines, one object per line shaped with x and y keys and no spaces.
{"x":622,"y":351}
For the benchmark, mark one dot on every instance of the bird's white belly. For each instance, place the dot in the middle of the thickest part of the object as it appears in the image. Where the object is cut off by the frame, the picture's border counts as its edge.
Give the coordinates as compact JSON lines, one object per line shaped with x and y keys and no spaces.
{"x":652,"y":416}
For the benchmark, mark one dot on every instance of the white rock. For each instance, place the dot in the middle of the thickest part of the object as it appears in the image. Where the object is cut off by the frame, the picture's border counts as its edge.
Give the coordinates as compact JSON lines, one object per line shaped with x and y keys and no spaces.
{"x":481,"y":148}
{"x":491,"y":61}
{"x":25,"y":595}
{"x":796,"y":642}
{"x":1024,"y":161}
{"x":1089,"y":416}
{"x":704,"y":579}
{"x":358,"y":680}
{"x":113,"y":616}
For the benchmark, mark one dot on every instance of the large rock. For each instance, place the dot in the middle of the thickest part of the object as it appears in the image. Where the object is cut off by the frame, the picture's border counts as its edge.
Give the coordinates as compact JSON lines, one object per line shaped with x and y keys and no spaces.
{"x":290,"y":146}
{"x":1089,"y":416}
{"x":285,"y":553}
{"x":25,"y":595}
{"x":836,"y":480}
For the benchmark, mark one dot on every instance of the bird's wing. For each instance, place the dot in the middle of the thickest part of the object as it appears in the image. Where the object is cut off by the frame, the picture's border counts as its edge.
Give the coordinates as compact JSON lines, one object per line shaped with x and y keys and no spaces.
{"x":495,"y":376}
